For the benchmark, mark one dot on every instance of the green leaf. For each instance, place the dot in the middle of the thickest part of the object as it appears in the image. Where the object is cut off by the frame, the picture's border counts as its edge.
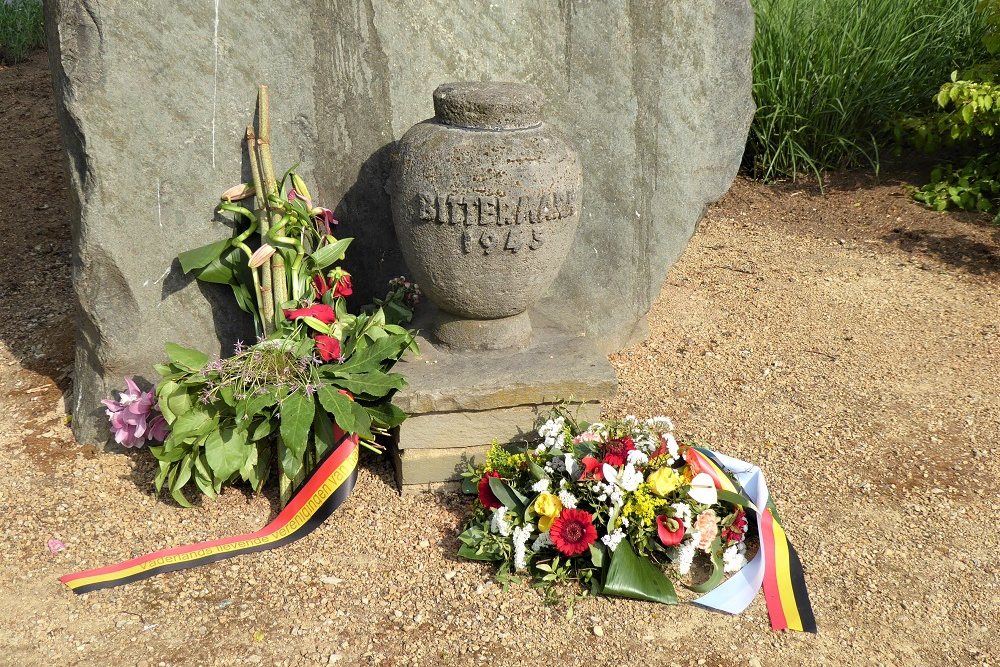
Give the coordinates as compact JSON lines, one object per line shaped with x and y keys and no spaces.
{"x":225,"y":451}
{"x":386,"y":415}
{"x":328,"y":254}
{"x":322,"y":433}
{"x":179,"y":480}
{"x":537,"y":471}
{"x":263,"y":430}
{"x":350,"y":416}
{"x":296,"y":420}
{"x":371,"y":357}
{"x":598,"y":552}
{"x":373,"y":383}
{"x":630,"y":576}
{"x":194,"y":422}
{"x":184,"y":357}
{"x":221,"y":270}
{"x":203,"y":256}
{"x":718,"y":571}
{"x":508,"y":495}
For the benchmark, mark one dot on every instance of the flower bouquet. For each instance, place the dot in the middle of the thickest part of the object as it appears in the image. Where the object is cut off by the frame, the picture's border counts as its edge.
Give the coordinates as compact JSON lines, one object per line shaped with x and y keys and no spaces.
{"x":274,"y":405}
{"x":616,"y":505}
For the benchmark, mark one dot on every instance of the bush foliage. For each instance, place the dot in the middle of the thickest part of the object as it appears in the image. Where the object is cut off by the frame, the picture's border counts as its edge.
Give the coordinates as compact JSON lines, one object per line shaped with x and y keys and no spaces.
{"x":830,"y":75}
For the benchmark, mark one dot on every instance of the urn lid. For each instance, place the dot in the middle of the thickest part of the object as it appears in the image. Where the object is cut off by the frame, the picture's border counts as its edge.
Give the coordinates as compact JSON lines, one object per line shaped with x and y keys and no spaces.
{"x":489,"y":105}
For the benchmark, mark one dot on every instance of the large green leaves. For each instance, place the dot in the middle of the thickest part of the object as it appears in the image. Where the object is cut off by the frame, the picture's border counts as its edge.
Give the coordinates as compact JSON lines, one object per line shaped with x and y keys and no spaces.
{"x":329,"y":254}
{"x":185,"y":357}
{"x":350,"y":416}
{"x":203,"y":256}
{"x":374,"y":383}
{"x":638,"y":578}
{"x":226,"y":451}
{"x":296,"y":421}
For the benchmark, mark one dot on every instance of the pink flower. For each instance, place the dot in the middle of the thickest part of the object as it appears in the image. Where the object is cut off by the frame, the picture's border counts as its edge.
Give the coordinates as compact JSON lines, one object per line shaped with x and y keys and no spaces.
{"x":135,"y":417}
{"x":55,"y":546}
{"x":707,"y":527}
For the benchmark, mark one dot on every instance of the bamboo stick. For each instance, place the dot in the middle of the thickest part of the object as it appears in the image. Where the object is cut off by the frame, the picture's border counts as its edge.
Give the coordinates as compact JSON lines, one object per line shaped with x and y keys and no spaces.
{"x":267,"y":296}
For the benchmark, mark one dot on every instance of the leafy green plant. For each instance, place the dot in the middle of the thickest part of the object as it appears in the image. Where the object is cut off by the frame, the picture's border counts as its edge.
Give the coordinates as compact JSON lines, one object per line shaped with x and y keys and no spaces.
{"x":315,"y":368}
{"x":829,"y":76}
{"x":965,"y":124}
{"x":21,"y":29}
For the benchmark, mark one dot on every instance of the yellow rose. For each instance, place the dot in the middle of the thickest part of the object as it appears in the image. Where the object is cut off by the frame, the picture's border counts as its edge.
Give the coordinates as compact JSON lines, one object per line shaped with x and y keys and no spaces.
{"x":544,"y":523}
{"x":548,"y":505}
{"x":664,"y":481}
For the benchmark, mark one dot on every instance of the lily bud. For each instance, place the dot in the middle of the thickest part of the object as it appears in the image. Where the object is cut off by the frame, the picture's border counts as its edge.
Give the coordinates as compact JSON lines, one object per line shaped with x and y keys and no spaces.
{"x":238,"y":192}
{"x":300,"y":186}
{"x":261,"y":255}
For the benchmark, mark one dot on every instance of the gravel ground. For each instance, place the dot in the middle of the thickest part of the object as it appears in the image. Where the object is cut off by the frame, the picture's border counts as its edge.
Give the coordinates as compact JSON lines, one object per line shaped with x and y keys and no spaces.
{"x":845,"y":342}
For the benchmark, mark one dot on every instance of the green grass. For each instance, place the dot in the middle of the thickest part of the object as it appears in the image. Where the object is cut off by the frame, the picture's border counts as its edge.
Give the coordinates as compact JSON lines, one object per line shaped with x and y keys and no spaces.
{"x":830,"y":75}
{"x":21,"y":29}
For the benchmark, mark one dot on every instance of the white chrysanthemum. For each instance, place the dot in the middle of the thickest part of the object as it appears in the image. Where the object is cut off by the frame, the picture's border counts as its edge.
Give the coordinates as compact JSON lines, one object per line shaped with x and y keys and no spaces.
{"x":617,"y":498}
{"x":613,"y":539}
{"x":540,"y":449}
{"x":672,"y":447}
{"x":630,"y":479}
{"x":601,"y":498}
{"x":682,"y":512}
{"x":564,"y":484}
{"x":734,"y":558}
{"x":567,"y":499}
{"x":541,"y":486}
{"x":685,"y":557}
{"x":644,"y":443}
{"x":636,"y":458}
{"x":542,"y":541}
{"x":520,"y":538}
{"x":499,"y":523}
{"x":660,"y":423}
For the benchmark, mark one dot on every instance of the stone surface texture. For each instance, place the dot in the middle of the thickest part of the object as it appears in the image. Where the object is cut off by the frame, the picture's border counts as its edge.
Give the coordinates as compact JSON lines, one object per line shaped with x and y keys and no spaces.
{"x":460,"y":402}
{"x":153,"y":105}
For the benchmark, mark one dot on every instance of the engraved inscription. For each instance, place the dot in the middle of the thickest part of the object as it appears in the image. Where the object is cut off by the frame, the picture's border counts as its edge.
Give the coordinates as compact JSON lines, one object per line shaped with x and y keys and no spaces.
{"x":488,"y":213}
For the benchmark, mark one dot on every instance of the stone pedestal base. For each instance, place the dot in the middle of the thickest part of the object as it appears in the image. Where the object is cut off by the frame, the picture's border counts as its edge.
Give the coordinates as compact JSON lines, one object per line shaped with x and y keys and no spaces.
{"x":459,"y":402}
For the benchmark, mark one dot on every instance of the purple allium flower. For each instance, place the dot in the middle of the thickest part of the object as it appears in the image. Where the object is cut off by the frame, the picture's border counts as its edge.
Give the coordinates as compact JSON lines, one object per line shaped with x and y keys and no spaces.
{"x":310,"y":389}
{"x":239,"y":347}
{"x":135,"y":417}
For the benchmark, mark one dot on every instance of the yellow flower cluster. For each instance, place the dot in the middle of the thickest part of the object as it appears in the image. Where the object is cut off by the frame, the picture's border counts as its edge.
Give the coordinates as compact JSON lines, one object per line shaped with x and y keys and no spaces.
{"x":502,"y":461}
{"x":643,"y":506}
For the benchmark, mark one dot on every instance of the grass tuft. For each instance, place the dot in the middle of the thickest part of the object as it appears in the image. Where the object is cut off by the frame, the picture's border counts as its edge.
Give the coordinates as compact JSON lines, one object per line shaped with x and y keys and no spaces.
{"x":21,"y":29}
{"x":830,"y":75}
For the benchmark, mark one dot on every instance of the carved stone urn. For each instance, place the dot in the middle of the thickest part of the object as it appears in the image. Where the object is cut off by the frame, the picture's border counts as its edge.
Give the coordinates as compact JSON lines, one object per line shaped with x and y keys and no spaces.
{"x":485,"y":202}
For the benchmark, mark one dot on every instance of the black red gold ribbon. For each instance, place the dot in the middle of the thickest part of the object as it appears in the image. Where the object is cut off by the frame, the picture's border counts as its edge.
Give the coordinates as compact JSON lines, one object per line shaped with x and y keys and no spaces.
{"x":326,"y":488}
{"x":776,"y":567}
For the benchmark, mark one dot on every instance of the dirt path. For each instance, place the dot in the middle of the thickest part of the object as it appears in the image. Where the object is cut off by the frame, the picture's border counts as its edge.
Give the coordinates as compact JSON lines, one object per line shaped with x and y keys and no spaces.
{"x":847,"y":343}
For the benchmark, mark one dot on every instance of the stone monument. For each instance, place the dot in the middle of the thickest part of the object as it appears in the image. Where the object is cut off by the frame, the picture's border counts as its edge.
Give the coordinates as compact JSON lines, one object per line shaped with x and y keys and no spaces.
{"x":153,"y":106}
{"x":486,"y":201}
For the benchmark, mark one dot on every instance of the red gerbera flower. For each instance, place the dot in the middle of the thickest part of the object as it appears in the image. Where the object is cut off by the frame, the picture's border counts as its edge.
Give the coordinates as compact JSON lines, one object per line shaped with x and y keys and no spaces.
{"x":486,"y":496}
{"x":616,"y":451}
{"x":320,"y":311}
{"x":573,"y":532}
{"x":328,"y":347}
{"x":735,"y":531}
{"x":669,"y":530}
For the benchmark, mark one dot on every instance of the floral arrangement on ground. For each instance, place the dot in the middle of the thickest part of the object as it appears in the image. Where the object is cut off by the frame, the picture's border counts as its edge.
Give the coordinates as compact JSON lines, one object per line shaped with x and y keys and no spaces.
{"x":619,"y":506}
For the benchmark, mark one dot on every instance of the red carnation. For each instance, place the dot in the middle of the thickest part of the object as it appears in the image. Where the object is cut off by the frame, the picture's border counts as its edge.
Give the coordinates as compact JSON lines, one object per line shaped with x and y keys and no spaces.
{"x":573,"y":532}
{"x":616,"y":451}
{"x":328,"y":347}
{"x":320,"y":311}
{"x":670,"y":530}
{"x":343,"y":286}
{"x":735,"y":531}
{"x":486,"y":496}
{"x":591,"y":468}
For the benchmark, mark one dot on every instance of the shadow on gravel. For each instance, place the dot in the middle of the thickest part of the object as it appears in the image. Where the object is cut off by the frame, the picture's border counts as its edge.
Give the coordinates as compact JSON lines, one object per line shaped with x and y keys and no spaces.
{"x":958,"y":250}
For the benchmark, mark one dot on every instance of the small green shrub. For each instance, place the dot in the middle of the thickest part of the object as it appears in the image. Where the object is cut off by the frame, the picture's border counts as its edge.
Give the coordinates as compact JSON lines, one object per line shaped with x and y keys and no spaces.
{"x":830,"y":75}
{"x":966,"y":124}
{"x":21,"y":29}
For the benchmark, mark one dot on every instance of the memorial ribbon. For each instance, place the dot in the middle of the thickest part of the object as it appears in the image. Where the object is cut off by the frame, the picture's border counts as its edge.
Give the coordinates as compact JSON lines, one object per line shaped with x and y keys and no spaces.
{"x":326,"y":488}
{"x":776,"y":567}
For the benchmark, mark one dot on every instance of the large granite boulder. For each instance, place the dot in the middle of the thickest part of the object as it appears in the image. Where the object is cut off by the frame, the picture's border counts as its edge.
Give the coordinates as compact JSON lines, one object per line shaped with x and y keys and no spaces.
{"x":153,"y":105}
